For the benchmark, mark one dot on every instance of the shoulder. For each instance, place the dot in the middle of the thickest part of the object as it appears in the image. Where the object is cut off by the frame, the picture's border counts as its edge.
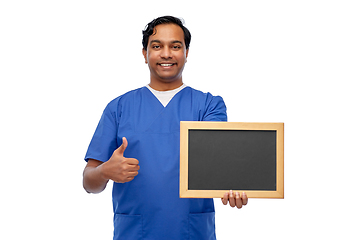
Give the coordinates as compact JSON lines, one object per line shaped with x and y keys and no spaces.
{"x":204,"y":96}
{"x":116,"y":106}
{"x":128,"y":96}
{"x":211,"y":108}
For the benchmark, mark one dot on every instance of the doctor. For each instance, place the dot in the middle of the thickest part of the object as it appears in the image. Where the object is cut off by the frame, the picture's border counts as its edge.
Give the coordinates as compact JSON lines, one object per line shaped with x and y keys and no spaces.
{"x":136,"y":145}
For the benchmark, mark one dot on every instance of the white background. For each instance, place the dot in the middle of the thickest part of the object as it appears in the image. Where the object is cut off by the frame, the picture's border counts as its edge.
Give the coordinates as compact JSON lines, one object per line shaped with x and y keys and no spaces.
{"x":296,"y":62}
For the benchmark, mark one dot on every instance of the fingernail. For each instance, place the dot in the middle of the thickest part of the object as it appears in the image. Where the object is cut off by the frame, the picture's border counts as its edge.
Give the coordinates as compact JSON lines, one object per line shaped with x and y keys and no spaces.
{"x":237,"y":194}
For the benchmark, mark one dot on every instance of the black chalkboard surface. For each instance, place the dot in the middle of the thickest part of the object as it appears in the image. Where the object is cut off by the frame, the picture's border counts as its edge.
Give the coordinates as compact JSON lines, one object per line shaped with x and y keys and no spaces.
{"x":216,"y":157}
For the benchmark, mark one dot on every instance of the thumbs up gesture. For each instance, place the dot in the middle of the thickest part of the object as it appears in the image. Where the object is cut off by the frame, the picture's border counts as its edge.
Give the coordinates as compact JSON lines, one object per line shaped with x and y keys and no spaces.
{"x":119,"y":168}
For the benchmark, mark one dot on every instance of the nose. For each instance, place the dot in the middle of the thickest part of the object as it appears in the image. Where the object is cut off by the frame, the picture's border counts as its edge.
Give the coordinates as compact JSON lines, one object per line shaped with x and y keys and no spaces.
{"x":165,"y":53}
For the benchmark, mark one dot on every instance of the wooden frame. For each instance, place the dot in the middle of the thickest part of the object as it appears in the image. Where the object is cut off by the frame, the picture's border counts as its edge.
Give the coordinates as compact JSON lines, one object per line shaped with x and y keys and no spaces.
{"x":188,"y":126}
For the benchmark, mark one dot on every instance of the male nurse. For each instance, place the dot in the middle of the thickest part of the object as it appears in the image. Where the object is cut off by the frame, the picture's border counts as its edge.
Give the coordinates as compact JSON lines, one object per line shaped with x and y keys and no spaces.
{"x":136,"y":145}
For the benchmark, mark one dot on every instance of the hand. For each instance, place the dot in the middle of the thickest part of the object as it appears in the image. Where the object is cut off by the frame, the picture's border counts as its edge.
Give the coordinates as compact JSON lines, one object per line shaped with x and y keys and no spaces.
{"x":119,"y":168}
{"x":235,"y":199}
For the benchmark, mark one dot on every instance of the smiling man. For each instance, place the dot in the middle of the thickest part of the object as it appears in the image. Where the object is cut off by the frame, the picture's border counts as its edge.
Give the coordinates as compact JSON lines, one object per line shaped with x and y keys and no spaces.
{"x":136,"y":145}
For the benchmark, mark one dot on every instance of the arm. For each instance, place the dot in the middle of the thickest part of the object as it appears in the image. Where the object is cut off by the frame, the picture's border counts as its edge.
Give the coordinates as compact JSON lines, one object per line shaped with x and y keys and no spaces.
{"x":118,"y":168}
{"x":216,"y":111}
{"x":93,"y":180}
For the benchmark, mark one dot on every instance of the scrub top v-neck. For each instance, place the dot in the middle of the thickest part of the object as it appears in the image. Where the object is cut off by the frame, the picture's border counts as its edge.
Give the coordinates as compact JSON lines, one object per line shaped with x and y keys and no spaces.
{"x":149,"y":207}
{"x":165,"y":96}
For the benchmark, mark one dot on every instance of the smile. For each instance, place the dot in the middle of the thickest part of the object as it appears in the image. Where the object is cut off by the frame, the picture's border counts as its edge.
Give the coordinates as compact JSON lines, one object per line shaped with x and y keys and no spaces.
{"x":167,"y":64}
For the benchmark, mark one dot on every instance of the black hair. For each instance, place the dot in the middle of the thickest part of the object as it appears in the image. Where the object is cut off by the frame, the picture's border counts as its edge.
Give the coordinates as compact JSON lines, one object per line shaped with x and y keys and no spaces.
{"x":150,"y":28}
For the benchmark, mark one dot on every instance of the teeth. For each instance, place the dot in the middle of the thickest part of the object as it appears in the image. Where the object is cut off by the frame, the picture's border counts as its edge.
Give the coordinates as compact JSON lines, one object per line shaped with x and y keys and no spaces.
{"x":166,"y":64}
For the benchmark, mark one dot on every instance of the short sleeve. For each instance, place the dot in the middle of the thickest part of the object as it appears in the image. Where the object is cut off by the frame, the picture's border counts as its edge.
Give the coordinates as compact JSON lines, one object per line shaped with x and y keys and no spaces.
{"x":216,"y":109}
{"x":104,"y":140}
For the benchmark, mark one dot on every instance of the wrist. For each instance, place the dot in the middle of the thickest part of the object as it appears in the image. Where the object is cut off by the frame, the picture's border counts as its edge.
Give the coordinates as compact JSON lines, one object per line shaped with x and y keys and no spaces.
{"x":101,"y":173}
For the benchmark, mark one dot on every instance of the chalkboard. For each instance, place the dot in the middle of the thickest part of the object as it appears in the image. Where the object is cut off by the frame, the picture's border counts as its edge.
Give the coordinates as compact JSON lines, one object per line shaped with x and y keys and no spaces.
{"x":216,"y":157}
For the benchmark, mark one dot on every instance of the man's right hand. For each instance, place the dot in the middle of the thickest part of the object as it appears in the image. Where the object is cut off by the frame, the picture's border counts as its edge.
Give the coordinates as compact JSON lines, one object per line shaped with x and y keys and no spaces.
{"x":119,"y":168}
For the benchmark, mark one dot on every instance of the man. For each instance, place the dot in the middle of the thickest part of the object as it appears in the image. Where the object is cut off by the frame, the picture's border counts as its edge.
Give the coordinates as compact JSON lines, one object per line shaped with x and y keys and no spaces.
{"x":141,"y":128}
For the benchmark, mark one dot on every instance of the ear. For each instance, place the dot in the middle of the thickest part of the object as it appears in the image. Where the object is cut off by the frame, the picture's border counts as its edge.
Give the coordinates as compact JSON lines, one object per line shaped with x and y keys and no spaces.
{"x":186,"y":54}
{"x":144,"y":52}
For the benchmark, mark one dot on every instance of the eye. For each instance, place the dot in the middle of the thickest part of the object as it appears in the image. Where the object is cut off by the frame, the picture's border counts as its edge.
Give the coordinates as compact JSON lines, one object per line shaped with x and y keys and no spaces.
{"x":177,"y":47}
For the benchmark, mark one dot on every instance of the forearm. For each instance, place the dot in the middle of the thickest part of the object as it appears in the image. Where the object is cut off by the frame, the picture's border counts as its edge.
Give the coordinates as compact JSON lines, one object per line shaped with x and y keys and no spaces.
{"x":93,"y":181}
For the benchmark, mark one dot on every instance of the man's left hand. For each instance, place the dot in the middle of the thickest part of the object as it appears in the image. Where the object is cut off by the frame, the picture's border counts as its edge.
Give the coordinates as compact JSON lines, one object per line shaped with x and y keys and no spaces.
{"x":235,"y":199}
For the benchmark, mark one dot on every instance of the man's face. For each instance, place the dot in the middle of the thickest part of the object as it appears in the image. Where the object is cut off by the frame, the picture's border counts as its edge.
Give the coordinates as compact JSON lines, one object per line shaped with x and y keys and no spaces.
{"x":166,"y":55}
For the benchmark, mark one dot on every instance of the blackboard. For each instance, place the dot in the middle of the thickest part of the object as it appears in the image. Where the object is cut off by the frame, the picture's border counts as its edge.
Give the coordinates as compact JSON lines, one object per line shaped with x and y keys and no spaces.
{"x":216,"y":157}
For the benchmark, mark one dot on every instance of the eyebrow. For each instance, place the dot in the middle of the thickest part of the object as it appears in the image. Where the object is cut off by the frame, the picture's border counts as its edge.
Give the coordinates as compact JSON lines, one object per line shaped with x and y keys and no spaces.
{"x":175,"y":41}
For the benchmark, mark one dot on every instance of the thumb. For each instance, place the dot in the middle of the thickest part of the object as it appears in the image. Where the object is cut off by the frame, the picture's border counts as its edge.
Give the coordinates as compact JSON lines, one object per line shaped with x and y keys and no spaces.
{"x":123,"y":146}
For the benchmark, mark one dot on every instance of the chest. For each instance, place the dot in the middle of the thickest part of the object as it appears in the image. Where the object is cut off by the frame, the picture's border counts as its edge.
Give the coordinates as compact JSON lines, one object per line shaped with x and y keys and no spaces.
{"x":144,"y":113}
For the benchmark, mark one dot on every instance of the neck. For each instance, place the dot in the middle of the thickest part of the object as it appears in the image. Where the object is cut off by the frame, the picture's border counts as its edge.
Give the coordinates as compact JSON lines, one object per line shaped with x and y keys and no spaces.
{"x":165,"y":86}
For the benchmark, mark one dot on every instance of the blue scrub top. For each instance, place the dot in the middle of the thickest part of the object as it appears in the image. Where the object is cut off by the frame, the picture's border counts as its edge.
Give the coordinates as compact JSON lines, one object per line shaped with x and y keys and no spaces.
{"x":149,"y":207}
